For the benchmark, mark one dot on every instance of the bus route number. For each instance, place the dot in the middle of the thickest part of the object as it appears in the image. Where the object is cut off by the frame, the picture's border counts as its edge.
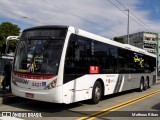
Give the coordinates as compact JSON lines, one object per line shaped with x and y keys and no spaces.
{"x":42,"y":84}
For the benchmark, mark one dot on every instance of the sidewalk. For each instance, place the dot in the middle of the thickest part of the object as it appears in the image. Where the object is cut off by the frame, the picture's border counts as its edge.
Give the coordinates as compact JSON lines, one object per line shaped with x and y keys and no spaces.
{"x":6,"y":96}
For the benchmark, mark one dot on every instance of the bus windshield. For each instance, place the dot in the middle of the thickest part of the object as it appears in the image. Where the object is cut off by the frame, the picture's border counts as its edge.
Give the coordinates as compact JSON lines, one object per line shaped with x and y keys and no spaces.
{"x":38,"y":56}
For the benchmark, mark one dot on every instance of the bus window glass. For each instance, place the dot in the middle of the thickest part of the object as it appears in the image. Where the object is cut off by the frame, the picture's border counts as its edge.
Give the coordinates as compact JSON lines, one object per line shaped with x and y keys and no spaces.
{"x":38,"y":56}
{"x":110,"y":58}
{"x":76,"y":57}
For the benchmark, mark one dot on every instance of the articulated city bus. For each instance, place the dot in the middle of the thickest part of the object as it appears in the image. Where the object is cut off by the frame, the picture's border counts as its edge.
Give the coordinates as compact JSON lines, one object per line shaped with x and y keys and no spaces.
{"x":63,"y":64}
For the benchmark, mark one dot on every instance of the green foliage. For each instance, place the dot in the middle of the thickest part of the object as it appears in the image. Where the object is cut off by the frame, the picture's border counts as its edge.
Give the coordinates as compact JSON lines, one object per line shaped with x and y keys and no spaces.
{"x":7,"y":29}
{"x":119,"y":39}
{"x":2,"y":40}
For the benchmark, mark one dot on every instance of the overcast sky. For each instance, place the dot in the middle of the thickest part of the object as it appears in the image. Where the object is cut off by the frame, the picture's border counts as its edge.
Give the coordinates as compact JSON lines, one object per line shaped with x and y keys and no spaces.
{"x":103,"y":17}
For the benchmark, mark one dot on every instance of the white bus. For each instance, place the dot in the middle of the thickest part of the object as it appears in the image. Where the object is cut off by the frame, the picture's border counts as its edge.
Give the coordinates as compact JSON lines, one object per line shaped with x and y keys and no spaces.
{"x":62,"y":64}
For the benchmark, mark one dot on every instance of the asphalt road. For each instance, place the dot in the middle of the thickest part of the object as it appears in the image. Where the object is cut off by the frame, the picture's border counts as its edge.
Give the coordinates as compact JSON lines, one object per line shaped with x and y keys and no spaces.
{"x":127,"y":105}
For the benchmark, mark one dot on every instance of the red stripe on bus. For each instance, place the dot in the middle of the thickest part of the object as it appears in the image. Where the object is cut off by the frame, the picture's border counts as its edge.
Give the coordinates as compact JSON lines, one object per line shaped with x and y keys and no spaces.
{"x":37,"y":77}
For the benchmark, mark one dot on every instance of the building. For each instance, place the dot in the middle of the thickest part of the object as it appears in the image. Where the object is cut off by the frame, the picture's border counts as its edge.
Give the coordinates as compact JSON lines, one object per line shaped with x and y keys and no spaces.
{"x":143,"y":40}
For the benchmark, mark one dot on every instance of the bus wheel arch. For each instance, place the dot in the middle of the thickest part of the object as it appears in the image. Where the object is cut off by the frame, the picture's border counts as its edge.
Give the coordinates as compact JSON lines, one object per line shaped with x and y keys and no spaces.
{"x":97,"y":91}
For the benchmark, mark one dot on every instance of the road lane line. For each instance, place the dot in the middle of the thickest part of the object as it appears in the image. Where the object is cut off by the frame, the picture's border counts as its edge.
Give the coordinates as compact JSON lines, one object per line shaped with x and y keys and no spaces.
{"x":130,"y":103}
{"x":118,"y":106}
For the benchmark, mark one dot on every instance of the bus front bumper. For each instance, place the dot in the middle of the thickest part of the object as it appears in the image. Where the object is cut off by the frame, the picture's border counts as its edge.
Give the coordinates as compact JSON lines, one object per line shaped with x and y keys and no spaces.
{"x":50,"y":95}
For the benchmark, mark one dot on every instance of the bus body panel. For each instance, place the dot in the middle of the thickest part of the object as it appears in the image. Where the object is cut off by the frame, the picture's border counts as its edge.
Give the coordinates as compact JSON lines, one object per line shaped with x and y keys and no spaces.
{"x":81,"y":88}
{"x":52,"y":95}
{"x":132,"y":81}
{"x":28,"y":82}
{"x":72,"y":94}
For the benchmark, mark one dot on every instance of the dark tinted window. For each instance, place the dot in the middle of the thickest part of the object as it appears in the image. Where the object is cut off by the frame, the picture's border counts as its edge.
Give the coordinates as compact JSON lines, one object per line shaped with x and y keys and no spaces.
{"x":126,"y":63}
{"x":105,"y":57}
{"x":110,"y":58}
{"x":84,"y":52}
{"x":150,"y":64}
{"x":132,"y":62}
{"x":77,"y":56}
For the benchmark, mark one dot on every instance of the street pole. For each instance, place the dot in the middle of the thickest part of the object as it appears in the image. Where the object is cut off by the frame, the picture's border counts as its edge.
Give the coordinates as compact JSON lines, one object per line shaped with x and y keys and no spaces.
{"x":128,"y":27}
{"x":158,"y":54}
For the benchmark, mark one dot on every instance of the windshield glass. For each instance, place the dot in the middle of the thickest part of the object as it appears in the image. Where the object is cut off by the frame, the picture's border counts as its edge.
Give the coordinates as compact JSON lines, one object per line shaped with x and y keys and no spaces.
{"x":40,"y":56}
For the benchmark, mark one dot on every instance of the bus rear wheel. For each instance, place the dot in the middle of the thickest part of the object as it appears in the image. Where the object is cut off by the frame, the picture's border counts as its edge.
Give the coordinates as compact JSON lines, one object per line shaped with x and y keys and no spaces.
{"x":96,"y":93}
{"x":146,"y":83}
{"x":141,"y":87}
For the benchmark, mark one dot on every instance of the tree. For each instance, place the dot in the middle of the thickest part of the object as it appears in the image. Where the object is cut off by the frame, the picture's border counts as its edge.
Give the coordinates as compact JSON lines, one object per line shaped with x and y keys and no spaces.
{"x":7,"y":29}
{"x":119,"y":39}
{"x":2,"y":44}
{"x":2,"y":40}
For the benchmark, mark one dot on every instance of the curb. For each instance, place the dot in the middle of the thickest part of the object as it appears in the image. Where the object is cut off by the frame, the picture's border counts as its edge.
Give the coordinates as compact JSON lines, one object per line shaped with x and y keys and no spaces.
{"x":9,"y":99}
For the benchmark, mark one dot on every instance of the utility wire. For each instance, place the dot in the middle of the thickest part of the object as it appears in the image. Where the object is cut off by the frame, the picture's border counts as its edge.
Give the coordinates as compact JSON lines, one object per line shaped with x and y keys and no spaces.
{"x":127,"y":15}
{"x":21,"y":16}
{"x":135,"y":16}
{"x":77,"y":16}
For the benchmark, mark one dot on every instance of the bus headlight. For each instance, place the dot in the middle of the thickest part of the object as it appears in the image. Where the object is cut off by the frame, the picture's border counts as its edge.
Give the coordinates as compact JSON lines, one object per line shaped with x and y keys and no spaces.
{"x":51,"y":85}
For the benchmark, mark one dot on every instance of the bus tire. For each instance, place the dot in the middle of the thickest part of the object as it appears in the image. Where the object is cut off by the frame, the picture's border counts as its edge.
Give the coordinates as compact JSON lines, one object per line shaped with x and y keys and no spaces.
{"x":146,"y":84}
{"x":96,"y":92}
{"x":141,"y":87}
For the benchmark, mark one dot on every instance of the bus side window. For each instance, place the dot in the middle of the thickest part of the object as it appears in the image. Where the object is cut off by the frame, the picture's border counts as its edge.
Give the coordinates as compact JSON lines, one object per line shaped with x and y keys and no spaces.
{"x":77,"y":52}
{"x":76,"y":56}
{"x":70,"y":56}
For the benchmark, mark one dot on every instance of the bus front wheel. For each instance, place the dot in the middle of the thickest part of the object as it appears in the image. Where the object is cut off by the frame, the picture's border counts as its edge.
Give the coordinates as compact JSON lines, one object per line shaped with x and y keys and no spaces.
{"x":97,"y":92}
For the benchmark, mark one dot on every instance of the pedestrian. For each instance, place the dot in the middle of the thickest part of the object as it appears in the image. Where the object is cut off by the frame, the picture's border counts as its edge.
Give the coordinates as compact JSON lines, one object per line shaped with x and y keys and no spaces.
{"x":7,"y":75}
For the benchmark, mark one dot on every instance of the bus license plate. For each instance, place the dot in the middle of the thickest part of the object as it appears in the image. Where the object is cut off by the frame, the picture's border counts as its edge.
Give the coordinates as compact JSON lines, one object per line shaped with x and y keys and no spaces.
{"x":29,"y":95}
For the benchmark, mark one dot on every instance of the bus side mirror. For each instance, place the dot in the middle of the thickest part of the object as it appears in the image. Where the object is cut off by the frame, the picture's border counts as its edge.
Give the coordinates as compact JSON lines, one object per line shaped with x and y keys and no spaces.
{"x":11,"y":45}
